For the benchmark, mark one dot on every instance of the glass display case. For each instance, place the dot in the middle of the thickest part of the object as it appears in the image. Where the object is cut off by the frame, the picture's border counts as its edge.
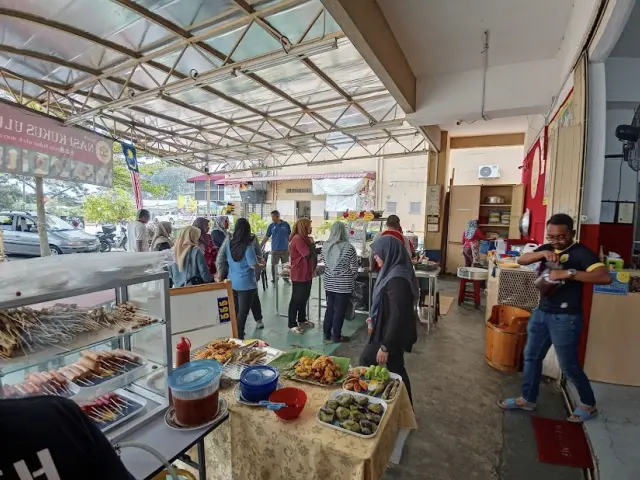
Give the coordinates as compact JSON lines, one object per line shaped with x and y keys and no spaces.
{"x":93,"y":346}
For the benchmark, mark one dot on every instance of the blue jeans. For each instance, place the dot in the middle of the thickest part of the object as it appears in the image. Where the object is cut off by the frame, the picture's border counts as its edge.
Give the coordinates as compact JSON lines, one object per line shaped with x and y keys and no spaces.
{"x":334,"y":315}
{"x":563,"y":331}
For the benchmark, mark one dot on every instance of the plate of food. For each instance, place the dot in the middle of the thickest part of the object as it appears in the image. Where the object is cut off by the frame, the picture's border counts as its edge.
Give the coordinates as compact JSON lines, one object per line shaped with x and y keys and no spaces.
{"x":220,"y":350}
{"x":375,"y":381}
{"x":312,"y":367}
{"x":353,"y":413}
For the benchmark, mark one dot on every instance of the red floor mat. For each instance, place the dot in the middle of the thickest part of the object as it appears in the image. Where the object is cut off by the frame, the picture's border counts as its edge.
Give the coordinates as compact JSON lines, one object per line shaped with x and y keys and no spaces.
{"x":561,"y":443}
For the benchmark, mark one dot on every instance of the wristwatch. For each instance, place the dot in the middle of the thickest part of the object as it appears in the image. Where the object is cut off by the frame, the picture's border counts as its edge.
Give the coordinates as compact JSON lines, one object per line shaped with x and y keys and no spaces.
{"x":383,"y":348}
{"x":572,"y":272}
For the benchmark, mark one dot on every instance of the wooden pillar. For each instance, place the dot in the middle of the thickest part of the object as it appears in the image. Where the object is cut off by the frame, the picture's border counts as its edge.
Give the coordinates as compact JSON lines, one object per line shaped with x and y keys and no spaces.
{"x":437,"y":174}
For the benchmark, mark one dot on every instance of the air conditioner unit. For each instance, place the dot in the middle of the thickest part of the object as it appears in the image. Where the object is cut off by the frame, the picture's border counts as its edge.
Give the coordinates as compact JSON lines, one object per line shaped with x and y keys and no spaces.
{"x":488,"y":171}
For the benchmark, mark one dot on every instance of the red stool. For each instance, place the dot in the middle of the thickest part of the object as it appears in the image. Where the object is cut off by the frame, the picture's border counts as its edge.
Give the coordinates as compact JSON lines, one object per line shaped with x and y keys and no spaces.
{"x":464,"y":294}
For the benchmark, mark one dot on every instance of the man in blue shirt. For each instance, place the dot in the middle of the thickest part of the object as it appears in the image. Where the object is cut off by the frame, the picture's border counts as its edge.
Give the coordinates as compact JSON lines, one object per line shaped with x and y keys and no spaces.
{"x":278,"y":232}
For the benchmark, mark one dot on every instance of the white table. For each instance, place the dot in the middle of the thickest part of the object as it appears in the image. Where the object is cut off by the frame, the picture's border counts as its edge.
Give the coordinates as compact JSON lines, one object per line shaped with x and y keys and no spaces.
{"x":432,"y":276}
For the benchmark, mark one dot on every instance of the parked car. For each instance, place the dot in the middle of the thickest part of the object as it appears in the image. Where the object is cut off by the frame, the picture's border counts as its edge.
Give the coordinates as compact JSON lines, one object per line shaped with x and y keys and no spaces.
{"x":20,"y":233}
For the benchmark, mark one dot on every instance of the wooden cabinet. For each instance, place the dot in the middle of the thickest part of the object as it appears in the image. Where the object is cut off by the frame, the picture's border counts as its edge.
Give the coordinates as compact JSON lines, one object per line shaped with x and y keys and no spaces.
{"x":464,"y":206}
{"x":469,"y":202}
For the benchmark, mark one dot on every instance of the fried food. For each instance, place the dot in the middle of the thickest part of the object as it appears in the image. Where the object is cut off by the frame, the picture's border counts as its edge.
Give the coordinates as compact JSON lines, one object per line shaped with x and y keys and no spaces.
{"x":220,"y":350}
{"x":323,"y":369}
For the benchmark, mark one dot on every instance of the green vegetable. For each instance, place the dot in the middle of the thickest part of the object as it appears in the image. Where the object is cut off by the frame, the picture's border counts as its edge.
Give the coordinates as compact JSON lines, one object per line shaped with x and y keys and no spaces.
{"x":378,"y":370}
{"x":343,"y":413}
{"x":351,"y":425}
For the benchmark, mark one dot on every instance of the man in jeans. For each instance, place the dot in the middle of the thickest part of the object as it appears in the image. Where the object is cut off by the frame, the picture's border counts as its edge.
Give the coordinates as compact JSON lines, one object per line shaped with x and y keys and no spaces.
{"x":278,"y":231}
{"x":558,"y":319}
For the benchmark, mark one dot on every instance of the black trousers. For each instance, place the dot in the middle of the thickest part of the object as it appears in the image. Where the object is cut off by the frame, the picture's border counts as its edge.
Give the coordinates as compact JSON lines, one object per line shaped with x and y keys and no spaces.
{"x":334,"y":315}
{"x":245,"y":301}
{"x":300,"y":293}
{"x":395,"y":363}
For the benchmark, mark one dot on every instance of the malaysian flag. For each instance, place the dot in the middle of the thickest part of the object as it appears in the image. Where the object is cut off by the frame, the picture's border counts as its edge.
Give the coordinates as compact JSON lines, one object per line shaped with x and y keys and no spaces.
{"x":131,"y":158}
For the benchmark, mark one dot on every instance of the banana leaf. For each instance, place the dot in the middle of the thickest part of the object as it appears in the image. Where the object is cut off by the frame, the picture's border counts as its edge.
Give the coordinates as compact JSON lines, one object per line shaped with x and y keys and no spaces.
{"x":286,"y":364}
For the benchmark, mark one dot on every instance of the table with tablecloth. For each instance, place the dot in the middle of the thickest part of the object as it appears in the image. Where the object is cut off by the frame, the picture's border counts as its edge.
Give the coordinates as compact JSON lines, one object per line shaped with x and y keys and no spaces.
{"x":256,"y":445}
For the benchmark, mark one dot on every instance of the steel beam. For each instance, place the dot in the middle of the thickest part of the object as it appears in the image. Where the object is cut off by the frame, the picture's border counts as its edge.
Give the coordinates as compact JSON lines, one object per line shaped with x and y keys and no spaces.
{"x":364,"y":24}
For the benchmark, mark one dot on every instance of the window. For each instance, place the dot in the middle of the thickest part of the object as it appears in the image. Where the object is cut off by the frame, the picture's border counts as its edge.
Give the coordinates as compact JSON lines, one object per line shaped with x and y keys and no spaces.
{"x":6,"y":222}
{"x":391,"y":208}
{"x":26,"y":224}
{"x":217,"y":191}
{"x":415,"y":207}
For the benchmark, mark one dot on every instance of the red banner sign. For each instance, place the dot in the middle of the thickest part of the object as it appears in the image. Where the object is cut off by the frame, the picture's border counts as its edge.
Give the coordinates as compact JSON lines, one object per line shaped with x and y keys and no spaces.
{"x":32,"y":144}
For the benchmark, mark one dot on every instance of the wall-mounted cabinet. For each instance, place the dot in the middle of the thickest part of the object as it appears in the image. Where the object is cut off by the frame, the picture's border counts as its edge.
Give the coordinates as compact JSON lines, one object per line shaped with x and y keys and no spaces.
{"x":475,"y":202}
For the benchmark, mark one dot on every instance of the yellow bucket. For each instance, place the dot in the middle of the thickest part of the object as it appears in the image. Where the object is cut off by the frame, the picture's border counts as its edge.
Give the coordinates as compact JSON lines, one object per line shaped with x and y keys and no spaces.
{"x":182,"y":474}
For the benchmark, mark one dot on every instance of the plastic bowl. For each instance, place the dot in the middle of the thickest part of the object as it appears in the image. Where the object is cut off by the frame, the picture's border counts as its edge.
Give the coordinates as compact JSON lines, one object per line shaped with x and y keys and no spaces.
{"x":257,"y":383}
{"x":291,"y":396}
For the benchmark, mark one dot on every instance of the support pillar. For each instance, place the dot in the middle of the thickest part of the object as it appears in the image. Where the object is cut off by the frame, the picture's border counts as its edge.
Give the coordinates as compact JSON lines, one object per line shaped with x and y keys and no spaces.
{"x":42,"y":221}
{"x":589,"y":233}
{"x":437,"y":174}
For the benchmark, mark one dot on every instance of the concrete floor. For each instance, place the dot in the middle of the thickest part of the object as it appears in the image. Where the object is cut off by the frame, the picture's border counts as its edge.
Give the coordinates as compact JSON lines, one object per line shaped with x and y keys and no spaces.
{"x":615,"y":434}
{"x":462,"y":433}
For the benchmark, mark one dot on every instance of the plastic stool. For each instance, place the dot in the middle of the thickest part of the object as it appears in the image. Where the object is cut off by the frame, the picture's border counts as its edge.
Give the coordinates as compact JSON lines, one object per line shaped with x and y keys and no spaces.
{"x":474,"y":295}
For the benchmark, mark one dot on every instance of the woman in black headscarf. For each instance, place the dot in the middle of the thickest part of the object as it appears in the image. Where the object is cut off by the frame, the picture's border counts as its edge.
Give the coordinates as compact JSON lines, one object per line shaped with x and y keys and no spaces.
{"x":237,"y":261}
{"x":393,"y":318}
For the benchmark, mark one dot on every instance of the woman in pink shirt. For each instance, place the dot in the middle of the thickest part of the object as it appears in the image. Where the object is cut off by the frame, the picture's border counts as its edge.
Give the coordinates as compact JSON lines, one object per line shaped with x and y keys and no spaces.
{"x":471,"y":239}
{"x":302,"y":254}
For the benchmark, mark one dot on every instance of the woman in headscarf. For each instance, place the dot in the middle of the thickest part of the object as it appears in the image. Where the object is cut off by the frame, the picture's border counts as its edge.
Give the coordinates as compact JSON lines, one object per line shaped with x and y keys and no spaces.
{"x":240,"y":265}
{"x":471,"y":239}
{"x":341,"y":270}
{"x":189,"y":267}
{"x":162,"y":237}
{"x":205,"y":243}
{"x":303,"y":260}
{"x":392,"y":324}
{"x":220,"y":230}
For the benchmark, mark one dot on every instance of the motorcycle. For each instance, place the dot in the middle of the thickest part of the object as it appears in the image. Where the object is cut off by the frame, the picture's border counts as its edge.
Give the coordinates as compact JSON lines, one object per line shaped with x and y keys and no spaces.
{"x":107,"y":238}
{"x":121,"y":241}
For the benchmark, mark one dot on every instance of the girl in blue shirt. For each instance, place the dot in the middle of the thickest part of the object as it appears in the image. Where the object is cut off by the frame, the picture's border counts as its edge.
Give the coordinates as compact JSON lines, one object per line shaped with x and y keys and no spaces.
{"x":243,"y":263}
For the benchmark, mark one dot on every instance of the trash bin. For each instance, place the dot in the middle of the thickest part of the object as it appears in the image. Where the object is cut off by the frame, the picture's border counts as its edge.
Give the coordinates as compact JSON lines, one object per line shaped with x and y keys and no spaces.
{"x":506,"y":336}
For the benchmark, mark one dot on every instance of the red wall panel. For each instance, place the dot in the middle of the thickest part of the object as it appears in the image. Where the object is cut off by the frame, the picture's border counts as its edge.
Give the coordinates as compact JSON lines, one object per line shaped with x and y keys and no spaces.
{"x":538,"y":210}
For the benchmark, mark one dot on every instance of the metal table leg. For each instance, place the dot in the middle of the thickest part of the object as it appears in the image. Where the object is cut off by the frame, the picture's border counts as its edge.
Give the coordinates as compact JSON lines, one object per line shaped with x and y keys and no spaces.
{"x":370,"y":291}
{"x":202,"y":463}
{"x":276,"y":282}
{"x":319,"y":299}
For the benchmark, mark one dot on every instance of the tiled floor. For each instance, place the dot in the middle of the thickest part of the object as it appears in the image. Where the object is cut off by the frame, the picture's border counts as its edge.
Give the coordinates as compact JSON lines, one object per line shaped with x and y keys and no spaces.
{"x":276,"y":332}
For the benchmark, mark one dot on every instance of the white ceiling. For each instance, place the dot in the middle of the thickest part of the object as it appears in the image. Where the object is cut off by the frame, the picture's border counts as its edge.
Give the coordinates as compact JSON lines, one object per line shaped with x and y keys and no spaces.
{"x":488,"y":127}
{"x":628,"y":45}
{"x":445,"y":36}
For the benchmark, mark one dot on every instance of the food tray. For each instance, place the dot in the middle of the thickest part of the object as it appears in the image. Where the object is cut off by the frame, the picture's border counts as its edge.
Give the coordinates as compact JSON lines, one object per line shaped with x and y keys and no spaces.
{"x":233,"y":370}
{"x":129,"y":411}
{"x":335,"y":394}
{"x":287,"y":359}
{"x":72,"y":389}
{"x":127,"y":372}
{"x":392,"y":376}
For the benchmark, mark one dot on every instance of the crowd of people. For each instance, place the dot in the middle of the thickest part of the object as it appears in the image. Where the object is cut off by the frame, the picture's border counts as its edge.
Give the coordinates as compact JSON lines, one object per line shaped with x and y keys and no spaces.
{"x":203,"y":254}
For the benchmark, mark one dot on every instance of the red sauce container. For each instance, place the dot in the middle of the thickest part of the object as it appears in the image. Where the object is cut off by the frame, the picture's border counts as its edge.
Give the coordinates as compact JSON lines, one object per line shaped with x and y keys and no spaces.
{"x":183,"y":352}
{"x":194,"y":390}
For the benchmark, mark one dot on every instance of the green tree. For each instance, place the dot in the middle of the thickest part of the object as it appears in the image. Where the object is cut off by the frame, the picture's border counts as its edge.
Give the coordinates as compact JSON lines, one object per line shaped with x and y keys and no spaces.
{"x":109,"y":207}
{"x":122,"y":177}
{"x":258,"y":224}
